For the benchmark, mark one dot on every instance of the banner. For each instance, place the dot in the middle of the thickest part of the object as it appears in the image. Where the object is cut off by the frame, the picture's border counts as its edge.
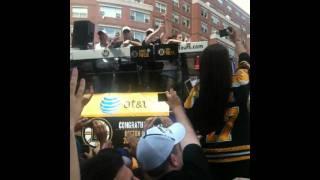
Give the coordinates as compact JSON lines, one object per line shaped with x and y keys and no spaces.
{"x":117,"y":130}
{"x":166,"y":51}
{"x":141,"y":53}
{"x":125,"y":105}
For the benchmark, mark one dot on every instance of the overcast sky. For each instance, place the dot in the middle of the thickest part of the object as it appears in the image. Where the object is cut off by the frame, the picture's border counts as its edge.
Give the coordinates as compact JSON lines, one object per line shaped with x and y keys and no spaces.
{"x":244,"y":4}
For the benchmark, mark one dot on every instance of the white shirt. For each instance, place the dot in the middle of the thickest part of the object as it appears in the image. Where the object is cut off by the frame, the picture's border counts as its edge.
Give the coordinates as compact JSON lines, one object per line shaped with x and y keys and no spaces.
{"x":98,"y":46}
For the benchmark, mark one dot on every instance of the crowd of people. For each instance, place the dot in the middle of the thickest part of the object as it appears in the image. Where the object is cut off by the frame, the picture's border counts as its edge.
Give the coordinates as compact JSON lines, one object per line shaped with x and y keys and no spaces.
{"x":166,"y":72}
{"x":211,"y":141}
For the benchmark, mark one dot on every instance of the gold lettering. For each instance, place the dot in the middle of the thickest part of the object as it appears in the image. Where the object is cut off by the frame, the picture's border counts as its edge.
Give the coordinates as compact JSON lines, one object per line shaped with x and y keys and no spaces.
{"x":168,"y":51}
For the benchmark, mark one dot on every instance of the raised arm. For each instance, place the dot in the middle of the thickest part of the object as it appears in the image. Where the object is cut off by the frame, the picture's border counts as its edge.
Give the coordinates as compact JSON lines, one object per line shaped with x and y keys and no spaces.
{"x":177,"y":108}
{"x":77,"y":102}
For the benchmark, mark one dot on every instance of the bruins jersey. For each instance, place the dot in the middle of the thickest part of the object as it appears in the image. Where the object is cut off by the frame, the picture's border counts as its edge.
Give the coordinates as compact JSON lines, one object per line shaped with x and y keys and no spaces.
{"x":231,"y":143}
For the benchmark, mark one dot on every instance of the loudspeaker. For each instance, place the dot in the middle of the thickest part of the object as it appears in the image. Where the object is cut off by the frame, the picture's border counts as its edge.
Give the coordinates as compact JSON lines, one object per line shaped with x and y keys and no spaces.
{"x":83,"y":33}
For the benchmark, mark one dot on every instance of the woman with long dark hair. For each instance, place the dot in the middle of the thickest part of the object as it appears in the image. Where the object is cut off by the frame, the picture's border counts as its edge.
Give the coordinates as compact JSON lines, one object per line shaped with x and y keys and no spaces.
{"x":222,"y":115}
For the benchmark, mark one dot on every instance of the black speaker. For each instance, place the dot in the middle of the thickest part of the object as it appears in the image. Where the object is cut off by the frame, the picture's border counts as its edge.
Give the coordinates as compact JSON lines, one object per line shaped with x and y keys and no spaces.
{"x":83,"y":33}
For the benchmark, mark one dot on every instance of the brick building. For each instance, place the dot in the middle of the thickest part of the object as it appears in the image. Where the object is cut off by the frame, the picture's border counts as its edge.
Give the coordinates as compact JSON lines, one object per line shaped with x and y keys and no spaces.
{"x":198,"y":19}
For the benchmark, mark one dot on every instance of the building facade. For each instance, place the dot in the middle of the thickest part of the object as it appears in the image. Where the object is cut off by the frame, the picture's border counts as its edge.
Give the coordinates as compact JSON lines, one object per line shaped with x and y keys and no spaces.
{"x":196,"y":19}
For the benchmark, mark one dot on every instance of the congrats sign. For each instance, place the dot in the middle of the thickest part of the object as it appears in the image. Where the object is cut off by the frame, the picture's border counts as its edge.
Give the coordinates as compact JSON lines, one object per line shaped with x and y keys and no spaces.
{"x":125,"y":105}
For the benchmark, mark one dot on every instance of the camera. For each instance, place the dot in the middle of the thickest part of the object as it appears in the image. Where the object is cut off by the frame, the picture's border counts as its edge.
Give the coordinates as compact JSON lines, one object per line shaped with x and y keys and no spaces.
{"x":225,"y":32}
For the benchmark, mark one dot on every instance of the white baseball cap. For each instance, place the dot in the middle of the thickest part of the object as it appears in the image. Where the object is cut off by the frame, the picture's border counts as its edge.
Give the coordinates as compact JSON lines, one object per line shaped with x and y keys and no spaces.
{"x":126,"y":28}
{"x":156,"y":145}
{"x":150,"y":29}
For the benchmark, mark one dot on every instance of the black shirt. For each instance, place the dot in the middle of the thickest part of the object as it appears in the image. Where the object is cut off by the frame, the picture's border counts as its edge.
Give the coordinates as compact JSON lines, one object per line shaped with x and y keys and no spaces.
{"x":195,"y":165}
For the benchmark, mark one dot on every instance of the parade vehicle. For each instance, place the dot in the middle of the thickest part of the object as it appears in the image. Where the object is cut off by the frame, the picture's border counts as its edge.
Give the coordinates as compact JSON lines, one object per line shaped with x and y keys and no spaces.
{"x":125,"y":112}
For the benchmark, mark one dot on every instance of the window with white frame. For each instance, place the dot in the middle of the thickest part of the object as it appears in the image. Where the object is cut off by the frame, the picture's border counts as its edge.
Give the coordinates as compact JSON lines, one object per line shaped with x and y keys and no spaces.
{"x":111,"y":31}
{"x":204,"y":27}
{"x":237,"y":13}
{"x":229,"y":8}
{"x":243,"y":29}
{"x":204,"y":13}
{"x":160,"y":7}
{"x":108,"y":11}
{"x":175,"y":3}
{"x":139,"y":17}
{"x":175,"y":18}
{"x":79,"y":12}
{"x":215,"y":19}
{"x":139,"y":35}
{"x":220,"y":1}
{"x":186,"y":22}
{"x":186,"y":7}
{"x":157,"y":22}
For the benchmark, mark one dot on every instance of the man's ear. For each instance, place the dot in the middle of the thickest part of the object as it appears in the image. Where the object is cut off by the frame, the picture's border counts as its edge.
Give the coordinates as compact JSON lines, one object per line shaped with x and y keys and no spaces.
{"x":174,"y":160}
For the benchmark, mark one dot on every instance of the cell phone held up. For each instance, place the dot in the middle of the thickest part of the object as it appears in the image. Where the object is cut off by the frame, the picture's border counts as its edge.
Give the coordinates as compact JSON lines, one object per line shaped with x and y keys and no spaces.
{"x":225,"y":32}
{"x":162,"y":97}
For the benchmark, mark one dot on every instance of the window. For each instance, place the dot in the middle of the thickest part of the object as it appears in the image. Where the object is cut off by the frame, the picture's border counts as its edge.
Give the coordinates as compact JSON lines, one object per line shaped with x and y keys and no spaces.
{"x":162,"y":8}
{"x":112,"y":12}
{"x":175,"y":31}
{"x":215,"y":19}
{"x":175,"y":3}
{"x":175,"y":18}
{"x":186,"y":8}
{"x":79,"y":12}
{"x":138,"y":35}
{"x":186,"y":22}
{"x":157,"y":22}
{"x":204,"y":27}
{"x":237,"y":13}
{"x":111,"y":31}
{"x":220,"y":1}
{"x":204,"y":13}
{"x":243,"y":17}
{"x":229,"y":8}
{"x":140,"y":17}
{"x":243,"y":29}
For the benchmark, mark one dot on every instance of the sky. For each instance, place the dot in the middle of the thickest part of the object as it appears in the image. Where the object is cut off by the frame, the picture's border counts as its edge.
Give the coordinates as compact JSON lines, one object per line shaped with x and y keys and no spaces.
{"x":244,"y":4}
